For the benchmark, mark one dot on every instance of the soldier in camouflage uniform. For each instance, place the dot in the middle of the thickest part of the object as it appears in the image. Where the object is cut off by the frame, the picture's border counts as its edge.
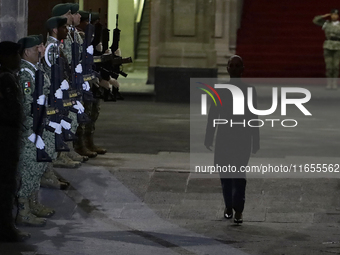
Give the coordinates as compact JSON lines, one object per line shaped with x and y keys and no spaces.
{"x":85,"y":145}
{"x":331,"y":46}
{"x":70,"y":11}
{"x":49,"y":179}
{"x":30,"y":211}
{"x":57,"y":31}
{"x":11,"y":115}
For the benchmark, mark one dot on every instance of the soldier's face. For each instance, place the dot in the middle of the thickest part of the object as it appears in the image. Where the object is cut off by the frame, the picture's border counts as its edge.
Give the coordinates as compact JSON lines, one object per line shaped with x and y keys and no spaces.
{"x":62,"y":32}
{"x":334,"y":16}
{"x":35,"y":54}
{"x":76,"y":19}
{"x":235,"y":67}
{"x":41,"y":49}
{"x":69,"y":17}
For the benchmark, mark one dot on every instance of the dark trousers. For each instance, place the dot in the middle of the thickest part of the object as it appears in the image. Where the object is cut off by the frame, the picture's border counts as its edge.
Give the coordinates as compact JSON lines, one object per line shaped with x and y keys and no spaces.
{"x":234,"y":190}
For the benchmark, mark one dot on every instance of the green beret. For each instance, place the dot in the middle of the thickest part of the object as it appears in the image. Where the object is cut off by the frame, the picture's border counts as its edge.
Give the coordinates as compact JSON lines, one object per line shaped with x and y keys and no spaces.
{"x":39,"y":37}
{"x":8,"y":48}
{"x":74,"y":8}
{"x":28,"y":42}
{"x":94,"y":16}
{"x":56,"y":22}
{"x":84,"y":15}
{"x":60,"y":9}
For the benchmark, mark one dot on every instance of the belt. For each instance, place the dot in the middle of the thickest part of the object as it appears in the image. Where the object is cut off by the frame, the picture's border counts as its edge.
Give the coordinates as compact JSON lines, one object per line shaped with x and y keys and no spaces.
{"x":334,"y":39}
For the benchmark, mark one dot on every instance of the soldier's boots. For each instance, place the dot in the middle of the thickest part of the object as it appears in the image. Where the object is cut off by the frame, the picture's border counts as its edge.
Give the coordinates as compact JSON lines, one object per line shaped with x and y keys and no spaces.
{"x":38,"y":209}
{"x":51,"y":181}
{"x":81,"y":148}
{"x":335,"y":83}
{"x":74,"y":155}
{"x":25,"y":217}
{"x":63,"y":161}
{"x":91,"y":146}
{"x":329,"y":83}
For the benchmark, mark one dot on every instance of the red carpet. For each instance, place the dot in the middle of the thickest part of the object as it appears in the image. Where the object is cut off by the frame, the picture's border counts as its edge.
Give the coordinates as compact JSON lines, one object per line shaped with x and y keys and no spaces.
{"x":279,"y":39}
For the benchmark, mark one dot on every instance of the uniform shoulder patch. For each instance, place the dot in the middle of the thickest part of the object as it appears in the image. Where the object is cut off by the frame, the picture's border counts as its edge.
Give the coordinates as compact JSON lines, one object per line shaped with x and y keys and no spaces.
{"x":27,"y":91}
{"x":26,"y":85}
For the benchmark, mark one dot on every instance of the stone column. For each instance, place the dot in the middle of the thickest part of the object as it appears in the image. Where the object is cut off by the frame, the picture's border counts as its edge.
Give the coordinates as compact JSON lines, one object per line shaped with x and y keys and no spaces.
{"x":13,"y":20}
{"x":181,"y":46}
{"x":222,"y":35}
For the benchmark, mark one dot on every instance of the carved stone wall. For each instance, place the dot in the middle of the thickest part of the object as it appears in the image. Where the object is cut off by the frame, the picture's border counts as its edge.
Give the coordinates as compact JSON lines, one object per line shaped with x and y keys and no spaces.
{"x":181,"y":34}
{"x":193,"y":33}
{"x":13,"y":20}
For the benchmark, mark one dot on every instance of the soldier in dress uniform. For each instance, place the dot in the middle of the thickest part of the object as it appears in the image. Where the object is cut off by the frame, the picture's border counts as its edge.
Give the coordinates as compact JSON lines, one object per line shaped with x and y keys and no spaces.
{"x":49,"y":178}
{"x":85,"y":144}
{"x":30,"y":211}
{"x":69,"y":11}
{"x":11,"y":115}
{"x":331,"y":45}
{"x":58,"y":31}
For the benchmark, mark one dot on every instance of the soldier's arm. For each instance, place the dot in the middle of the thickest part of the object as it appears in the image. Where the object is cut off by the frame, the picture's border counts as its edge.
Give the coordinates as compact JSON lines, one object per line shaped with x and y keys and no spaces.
{"x":320,"y":19}
{"x":27,"y":84}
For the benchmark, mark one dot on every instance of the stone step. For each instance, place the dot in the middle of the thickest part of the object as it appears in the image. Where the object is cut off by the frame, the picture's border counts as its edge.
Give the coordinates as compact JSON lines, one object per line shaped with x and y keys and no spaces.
{"x":142,"y":54}
{"x":144,"y":39}
{"x":143,"y":46}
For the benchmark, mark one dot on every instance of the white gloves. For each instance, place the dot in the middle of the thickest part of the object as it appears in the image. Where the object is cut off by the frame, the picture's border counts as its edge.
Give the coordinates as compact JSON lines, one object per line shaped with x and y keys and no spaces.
{"x":40,"y":143}
{"x":56,"y":126}
{"x":58,"y":94}
{"x":64,"y":85}
{"x":79,"y":107}
{"x":118,"y":53}
{"x":114,"y":83}
{"x":105,"y":84}
{"x":90,"y":50}
{"x":86,"y":86}
{"x":41,"y":100}
{"x":79,"y":68}
{"x":99,"y":47}
{"x":65,"y":124}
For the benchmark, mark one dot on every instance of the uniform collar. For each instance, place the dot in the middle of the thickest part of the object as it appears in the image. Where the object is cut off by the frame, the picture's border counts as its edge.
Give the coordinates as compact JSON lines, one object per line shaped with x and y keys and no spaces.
{"x":25,"y":61}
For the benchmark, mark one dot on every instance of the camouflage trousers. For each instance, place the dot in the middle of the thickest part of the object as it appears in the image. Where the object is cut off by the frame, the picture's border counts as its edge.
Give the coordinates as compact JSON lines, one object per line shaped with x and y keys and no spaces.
{"x":30,"y":170}
{"x":332,"y":60}
{"x":92,"y":109}
{"x":74,"y":124}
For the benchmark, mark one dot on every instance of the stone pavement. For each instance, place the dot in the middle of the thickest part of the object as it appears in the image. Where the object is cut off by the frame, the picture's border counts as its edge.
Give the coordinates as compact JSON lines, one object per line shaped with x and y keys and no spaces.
{"x":140,"y":198}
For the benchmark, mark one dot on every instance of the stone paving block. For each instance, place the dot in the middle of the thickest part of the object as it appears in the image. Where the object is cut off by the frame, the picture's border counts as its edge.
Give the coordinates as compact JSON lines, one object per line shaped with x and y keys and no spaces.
{"x":258,"y":215}
{"x":201,"y":203}
{"x":136,"y":181}
{"x":136,"y":211}
{"x":162,"y":210}
{"x":162,"y":198}
{"x":204,"y":196}
{"x":204,"y":185}
{"x":193,"y":212}
{"x":290,"y":217}
{"x":168,"y":182}
{"x":331,"y":217}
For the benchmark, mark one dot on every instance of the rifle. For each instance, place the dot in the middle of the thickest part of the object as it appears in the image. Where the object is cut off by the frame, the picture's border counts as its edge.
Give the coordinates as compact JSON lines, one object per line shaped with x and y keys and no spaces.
{"x":77,"y":83}
{"x":112,"y":65}
{"x":39,"y":114}
{"x":57,"y":107}
{"x":67,"y":103}
{"x":105,"y":37}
